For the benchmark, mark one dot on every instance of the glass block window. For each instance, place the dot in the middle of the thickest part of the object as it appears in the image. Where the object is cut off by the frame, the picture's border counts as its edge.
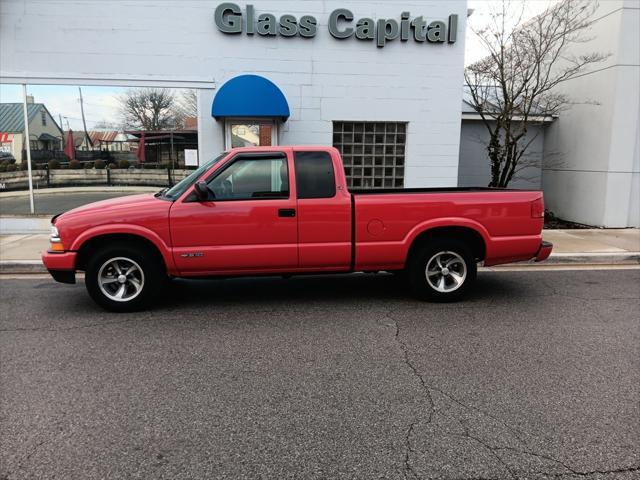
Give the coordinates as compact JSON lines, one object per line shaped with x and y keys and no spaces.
{"x":372,"y":152}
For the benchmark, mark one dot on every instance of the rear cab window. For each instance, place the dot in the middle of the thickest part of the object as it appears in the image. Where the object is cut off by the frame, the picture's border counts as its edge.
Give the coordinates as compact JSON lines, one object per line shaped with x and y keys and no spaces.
{"x":315,"y":176}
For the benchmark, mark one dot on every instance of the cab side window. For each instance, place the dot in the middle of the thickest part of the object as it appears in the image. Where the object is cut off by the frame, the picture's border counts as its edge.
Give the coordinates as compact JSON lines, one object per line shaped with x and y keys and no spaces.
{"x":252,"y":178}
{"x":315,"y":177}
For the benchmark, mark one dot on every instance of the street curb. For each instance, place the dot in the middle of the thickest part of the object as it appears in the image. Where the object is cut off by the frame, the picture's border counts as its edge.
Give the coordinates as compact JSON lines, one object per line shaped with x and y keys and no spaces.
{"x":609,"y":258}
{"x":580,"y":259}
{"x":22,"y":266}
{"x":557,"y":259}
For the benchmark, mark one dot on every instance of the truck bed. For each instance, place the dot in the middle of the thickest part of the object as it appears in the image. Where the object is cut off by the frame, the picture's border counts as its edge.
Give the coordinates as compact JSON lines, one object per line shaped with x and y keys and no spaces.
{"x":386,"y":221}
{"x":374,"y":191}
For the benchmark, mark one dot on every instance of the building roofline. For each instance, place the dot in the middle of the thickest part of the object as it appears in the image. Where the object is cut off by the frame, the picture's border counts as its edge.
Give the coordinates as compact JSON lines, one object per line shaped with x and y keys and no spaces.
{"x":517,"y":118}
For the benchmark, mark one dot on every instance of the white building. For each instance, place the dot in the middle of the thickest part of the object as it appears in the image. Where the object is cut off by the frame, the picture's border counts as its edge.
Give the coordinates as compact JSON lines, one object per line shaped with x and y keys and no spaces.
{"x":383,"y":83}
{"x":380,"y":80}
{"x":593,"y":169}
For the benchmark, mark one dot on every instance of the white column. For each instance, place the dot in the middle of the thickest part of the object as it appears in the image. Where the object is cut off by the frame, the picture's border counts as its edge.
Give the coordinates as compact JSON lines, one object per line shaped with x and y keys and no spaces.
{"x":28,"y":142}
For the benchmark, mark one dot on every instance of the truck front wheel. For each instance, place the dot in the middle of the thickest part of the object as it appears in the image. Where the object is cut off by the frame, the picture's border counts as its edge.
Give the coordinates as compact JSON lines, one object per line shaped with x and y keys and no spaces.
{"x":124,"y":278}
{"x":442,"y":271}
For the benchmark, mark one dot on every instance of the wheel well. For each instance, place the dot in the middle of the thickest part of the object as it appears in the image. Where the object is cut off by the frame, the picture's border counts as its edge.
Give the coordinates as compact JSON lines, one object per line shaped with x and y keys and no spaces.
{"x":94,"y":244}
{"x":467,"y":235}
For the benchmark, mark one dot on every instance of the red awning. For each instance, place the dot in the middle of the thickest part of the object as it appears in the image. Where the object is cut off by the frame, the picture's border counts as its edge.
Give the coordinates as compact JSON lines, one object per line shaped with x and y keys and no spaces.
{"x":140,"y":153}
{"x":70,"y":148}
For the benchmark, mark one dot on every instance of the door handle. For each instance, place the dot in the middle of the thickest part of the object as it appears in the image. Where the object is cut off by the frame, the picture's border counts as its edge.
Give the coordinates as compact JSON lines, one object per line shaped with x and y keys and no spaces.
{"x":287,"y":212}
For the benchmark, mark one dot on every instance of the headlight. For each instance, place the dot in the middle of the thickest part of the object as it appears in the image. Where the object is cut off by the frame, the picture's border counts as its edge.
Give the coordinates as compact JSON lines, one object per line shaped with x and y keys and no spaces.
{"x":56,"y":243}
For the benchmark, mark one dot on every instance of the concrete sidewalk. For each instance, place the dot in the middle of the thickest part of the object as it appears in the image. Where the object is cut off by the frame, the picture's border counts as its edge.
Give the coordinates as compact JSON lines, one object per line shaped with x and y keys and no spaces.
{"x":20,"y":253}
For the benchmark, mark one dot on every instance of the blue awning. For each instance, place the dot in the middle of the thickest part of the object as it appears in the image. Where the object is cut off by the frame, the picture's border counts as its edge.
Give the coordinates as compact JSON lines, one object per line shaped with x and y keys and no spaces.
{"x":250,"y":96}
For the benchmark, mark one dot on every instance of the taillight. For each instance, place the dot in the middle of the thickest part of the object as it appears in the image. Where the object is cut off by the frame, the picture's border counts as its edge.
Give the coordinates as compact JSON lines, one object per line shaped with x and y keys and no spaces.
{"x":537,"y":208}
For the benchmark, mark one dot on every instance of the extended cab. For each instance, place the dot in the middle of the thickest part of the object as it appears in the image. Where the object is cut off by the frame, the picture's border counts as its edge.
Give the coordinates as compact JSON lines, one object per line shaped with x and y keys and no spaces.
{"x":287,"y":210}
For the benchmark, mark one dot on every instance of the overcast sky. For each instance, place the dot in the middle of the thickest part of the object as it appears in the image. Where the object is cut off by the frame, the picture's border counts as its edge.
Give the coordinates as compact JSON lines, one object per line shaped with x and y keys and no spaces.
{"x":481,"y":11}
{"x":101,"y":103}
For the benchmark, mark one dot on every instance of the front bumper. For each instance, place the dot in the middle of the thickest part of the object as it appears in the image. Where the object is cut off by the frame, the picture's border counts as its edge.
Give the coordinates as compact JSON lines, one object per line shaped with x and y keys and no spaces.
{"x":544,"y":251}
{"x":61,"y":266}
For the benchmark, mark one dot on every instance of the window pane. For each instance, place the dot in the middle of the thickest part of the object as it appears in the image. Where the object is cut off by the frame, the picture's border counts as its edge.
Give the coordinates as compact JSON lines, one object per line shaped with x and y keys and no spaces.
{"x":380,"y":144}
{"x":251,"y":135}
{"x":250,"y":179}
{"x":314,"y":175}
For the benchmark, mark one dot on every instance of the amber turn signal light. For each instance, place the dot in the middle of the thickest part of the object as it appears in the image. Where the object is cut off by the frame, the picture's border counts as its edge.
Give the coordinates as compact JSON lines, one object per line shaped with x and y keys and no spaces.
{"x":56,"y":247}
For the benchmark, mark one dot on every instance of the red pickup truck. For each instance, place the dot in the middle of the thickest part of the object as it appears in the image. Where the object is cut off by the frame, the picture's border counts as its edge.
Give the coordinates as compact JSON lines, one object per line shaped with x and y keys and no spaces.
{"x":287,"y":210}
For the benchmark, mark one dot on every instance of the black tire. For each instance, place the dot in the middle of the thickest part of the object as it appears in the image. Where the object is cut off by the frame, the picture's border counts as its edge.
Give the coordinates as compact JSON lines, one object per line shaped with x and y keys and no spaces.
{"x":151,"y":280}
{"x":458,"y":278}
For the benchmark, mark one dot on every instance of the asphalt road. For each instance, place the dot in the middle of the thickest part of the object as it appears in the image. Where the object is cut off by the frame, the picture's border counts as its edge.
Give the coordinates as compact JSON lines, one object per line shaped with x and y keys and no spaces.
{"x":52,"y":203}
{"x":536,"y":376}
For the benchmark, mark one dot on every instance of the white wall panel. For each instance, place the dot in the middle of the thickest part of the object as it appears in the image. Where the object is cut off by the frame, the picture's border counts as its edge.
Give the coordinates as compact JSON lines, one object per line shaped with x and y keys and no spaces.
{"x":126,"y":42}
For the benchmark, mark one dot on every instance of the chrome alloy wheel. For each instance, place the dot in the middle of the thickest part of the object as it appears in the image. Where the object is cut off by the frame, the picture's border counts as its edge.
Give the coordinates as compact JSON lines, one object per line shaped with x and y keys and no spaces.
{"x":446,"y":272}
{"x":120,"y":279}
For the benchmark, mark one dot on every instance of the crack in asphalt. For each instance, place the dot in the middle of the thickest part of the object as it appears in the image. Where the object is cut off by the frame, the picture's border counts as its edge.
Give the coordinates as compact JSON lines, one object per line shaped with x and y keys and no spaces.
{"x":75,"y":327}
{"x":148,"y":318}
{"x":555,"y":475}
{"x":427,"y":388}
{"x":492,"y":451}
{"x":635,"y":468}
{"x":408,"y":469}
{"x":556,"y":292}
{"x":57,"y":427}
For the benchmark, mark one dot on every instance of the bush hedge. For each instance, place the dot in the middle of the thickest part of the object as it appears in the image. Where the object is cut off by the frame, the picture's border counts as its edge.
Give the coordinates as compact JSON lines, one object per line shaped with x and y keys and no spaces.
{"x":54,"y":164}
{"x":99,"y":164}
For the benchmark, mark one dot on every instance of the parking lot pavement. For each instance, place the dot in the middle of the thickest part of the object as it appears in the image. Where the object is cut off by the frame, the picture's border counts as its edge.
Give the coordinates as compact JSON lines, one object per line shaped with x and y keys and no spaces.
{"x":52,"y":202}
{"x":536,"y":376}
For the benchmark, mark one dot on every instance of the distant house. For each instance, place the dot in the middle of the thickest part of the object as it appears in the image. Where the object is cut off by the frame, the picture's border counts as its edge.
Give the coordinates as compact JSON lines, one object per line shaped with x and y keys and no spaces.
{"x":111,"y":140}
{"x":190,"y":123}
{"x":44,"y":132}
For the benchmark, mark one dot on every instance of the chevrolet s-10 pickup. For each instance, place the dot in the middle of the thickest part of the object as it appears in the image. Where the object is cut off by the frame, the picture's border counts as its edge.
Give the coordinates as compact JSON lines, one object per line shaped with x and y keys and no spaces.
{"x":286,"y":211}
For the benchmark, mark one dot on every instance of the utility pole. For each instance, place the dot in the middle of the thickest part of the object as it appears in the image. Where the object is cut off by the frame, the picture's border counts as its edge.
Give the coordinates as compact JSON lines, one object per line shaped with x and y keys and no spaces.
{"x":173,"y":165}
{"x":28,"y":144}
{"x":61,"y":128}
{"x":84,"y":122}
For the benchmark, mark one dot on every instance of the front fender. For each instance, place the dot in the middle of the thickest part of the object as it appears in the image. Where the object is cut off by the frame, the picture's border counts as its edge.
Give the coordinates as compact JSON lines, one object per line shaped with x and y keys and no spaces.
{"x":127,"y":229}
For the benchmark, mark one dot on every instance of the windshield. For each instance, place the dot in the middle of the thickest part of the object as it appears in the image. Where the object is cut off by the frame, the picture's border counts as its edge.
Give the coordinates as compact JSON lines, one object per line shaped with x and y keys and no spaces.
{"x":179,"y":188}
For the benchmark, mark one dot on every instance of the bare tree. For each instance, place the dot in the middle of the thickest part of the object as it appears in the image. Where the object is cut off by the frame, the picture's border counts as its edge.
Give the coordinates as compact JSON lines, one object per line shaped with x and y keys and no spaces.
{"x":189,"y":103}
{"x":149,"y":109}
{"x":106,"y":125}
{"x":517,"y":82}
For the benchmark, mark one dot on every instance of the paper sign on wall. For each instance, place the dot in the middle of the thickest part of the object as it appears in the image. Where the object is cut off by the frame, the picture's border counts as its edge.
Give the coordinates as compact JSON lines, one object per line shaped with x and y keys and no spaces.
{"x":190,"y":157}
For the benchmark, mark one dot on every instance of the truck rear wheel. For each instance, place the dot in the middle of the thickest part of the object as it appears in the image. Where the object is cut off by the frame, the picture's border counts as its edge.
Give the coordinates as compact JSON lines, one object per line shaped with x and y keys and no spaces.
{"x":443,"y":270}
{"x":124,"y":278}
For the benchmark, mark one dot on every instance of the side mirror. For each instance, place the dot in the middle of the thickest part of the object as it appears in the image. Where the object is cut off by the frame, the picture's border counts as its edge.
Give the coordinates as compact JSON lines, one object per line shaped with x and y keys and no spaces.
{"x":202,"y":191}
